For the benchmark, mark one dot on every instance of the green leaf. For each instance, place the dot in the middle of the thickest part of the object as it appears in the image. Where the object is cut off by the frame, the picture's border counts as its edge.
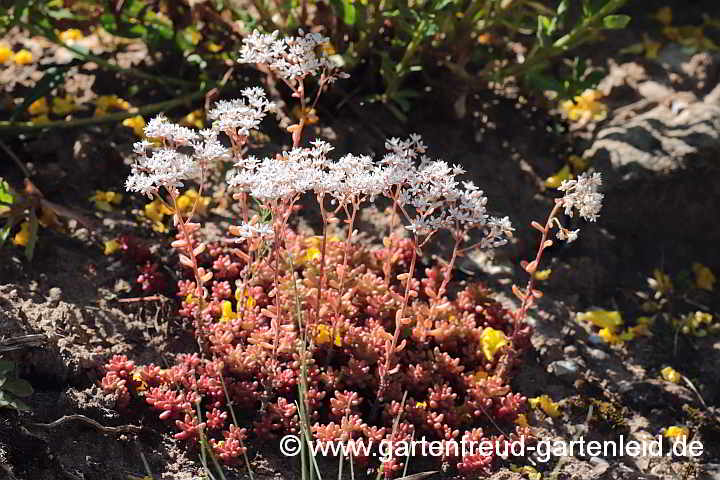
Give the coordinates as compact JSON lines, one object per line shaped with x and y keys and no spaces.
{"x":18,"y":386}
{"x":5,"y":193}
{"x":346,"y":10}
{"x":616,"y":22}
{"x":7,"y":400}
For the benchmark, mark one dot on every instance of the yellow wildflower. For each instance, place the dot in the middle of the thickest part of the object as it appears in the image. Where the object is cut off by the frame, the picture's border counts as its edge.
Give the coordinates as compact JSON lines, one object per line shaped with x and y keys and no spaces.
{"x":186,"y":201}
{"x":602,"y":318}
{"x":239,"y":295}
{"x":139,"y":380}
{"x":585,"y":107}
{"x":421,"y":405}
{"x":105,"y":200}
{"x":676,"y":431}
{"x":704,"y":277}
{"x":22,"y":237}
{"x":323,"y":335}
{"x":39,"y":107}
{"x":23,"y":57}
{"x":312,"y":253}
{"x":671,"y":375}
{"x":63,"y":106}
{"x":492,"y":340}
{"x":556,"y":180}
{"x":213,"y":47}
{"x":527,"y":470}
{"x":5,"y":53}
{"x":521,"y":420}
{"x":71,"y":35}
{"x":610,"y":335}
{"x":111,"y":246}
{"x":105,"y":103}
{"x":137,"y":123}
{"x":543,"y":275}
{"x":156,"y":210}
{"x":196,"y":119}
{"x":227,"y":312}
{"x":664,"y":15}
{"x":545,"y":403}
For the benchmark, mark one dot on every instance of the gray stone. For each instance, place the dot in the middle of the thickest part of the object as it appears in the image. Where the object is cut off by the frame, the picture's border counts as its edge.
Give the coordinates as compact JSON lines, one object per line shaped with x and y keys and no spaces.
{"x":597,"y":354}
{"x":564,"y":368}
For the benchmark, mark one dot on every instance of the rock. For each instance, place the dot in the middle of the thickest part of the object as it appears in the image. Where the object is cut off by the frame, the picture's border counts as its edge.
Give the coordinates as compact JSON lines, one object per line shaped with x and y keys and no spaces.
{"x":54,"y":295}
{"x":600,"y":466}
{"x":564,"y":368}
{"x":597,"y":354}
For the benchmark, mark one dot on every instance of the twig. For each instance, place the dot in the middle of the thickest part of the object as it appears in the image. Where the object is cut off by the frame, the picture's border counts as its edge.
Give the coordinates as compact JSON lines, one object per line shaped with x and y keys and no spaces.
{"x":15,"y":158}
{"x":24,"y":341}
{"x":83,"y":418}
{"x":151,"y":298}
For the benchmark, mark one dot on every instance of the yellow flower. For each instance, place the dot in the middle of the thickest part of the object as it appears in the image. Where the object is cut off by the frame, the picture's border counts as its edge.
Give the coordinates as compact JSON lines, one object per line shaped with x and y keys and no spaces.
{"x":664,"y":15}
{"x":543,"y":275}
{"x":312,"y":253}
{"x":227,"y":312}
{"x":704,"y":277}
{"x":323,"y":334}
{"x":585,"y":107}
{"x":671,"y":375}
{"x":602,"y":318}
{"x":139,"y":380}
{"x":676,"y":431}
{"x":186,"y":201}
{"x":612,"y":337}
{"x":22,"y":237}
{"x":521,"y":420}
{"x":63,"y":106}
{"x":239,"y":295}
{"x":196,"y":119}
{"x":213,"y":47}
{"x":556,"y":180}
{"x":111,"y":246}
{"x":421,"y":405}
{"x":156,"y":210}
{"x":194,"y":36}
{"x":531,"y":472}
{"x":137,"y":123}
{"x":546,"y":404}
{"x":105,"y":200}
{"x":23,"y":57}
{"x":492,"y":340}
{"x":5,"y":53}
{"x":39,"y":107}
{"x":71,"y":35}
{"x":105,"y":103}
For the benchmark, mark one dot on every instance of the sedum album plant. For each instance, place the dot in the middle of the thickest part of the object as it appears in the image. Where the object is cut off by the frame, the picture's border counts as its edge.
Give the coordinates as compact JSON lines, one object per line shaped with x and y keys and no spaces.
{"x":322,"y":336}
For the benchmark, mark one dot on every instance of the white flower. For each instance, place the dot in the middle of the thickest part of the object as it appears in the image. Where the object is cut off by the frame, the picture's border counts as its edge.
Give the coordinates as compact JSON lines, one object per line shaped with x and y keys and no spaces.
{"x":582,"y":194}
{"x":159,"y":127}
{"x":163,"y":168}
{"x":247,"y":230}
{"x":568,"y":235}
{"x":241,"y":115}
{"x":293,"y":58}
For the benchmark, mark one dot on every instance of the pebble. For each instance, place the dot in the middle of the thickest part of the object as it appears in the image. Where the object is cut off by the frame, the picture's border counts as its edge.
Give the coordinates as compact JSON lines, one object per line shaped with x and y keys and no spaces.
{"x":600,"y":466}
{"x":570,"y":350}
{"x":597,"y":354}
{"x":54,"y":295}
{"x":564,"y":368}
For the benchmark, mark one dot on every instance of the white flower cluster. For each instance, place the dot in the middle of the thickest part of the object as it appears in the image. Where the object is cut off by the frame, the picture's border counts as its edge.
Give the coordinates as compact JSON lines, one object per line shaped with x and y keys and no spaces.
{"x":248,"y":230}
{"x":166,"y":166}
{"x":582,"y":194}
{"x":429,"y":194}
{"x":239,"y":116}
{"x":293,"y":58}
